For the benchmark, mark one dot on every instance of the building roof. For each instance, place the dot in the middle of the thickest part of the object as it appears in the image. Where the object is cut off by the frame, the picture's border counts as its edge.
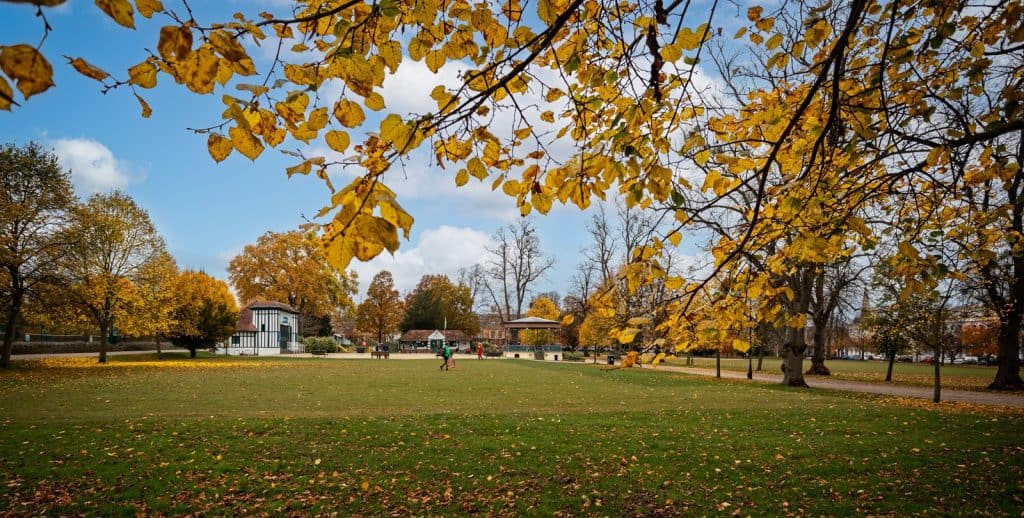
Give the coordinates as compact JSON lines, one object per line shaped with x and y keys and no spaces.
{"x":265,"y":304}
{"x":245,"y":320}
{"x":421,"y":335}
{"x":532,"y":323}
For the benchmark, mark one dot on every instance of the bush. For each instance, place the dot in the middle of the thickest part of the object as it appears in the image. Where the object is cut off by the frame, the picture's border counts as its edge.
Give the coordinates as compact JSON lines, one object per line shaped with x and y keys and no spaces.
{"x":573,"y":356}
{"x":320,"y":344}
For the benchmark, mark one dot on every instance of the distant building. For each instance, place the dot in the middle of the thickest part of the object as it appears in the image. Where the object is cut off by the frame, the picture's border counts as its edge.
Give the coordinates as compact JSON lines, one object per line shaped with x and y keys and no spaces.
{"x":264,"y":329}
{"x":491,"y":329}
{"x":433,"y":340}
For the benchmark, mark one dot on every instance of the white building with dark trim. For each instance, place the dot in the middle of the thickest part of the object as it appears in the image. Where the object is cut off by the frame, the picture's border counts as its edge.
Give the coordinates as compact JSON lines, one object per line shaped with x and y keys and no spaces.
{"x":265,"y":329}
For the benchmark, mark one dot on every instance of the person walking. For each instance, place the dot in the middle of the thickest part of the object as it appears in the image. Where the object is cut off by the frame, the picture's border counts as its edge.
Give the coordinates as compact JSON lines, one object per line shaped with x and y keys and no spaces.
{"x":446,"y":353}
{"x":479,"y":351}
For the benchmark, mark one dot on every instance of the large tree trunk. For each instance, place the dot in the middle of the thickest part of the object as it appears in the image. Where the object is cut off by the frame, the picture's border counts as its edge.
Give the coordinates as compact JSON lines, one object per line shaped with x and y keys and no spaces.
{"x":1008,"y":372}
{"x":192,"y":352}
{"x":892,"y":360}
{"x":104,"y":329}
{"x":760,"y":357}
{"x":793,"y":358}
{"x":938,"y":382}
{"x":718,"y":363}
{"x":818,"y":360}
{"x":159,"y":352}
{"x":11,"y":330}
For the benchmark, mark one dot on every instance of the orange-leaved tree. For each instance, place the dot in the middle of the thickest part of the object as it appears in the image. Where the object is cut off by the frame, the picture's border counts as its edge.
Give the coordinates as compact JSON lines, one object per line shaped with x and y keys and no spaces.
{"x":289,"y":267}
{"x":381,"y":312}
{"x":207,"y":313}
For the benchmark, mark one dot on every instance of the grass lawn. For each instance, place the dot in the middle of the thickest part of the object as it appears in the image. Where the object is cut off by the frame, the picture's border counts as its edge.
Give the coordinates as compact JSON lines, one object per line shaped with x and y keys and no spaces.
{"x":502,"y":437}
{"x":964,"y":377}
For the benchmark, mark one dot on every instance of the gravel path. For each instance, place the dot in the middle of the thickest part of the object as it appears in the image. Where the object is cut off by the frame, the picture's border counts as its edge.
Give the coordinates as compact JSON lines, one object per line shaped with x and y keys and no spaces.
{"x":1010,"y":399}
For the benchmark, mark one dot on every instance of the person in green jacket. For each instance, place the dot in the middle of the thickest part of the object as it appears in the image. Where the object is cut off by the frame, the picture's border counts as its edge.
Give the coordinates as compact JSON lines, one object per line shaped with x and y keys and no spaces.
{"x":446,"y":353}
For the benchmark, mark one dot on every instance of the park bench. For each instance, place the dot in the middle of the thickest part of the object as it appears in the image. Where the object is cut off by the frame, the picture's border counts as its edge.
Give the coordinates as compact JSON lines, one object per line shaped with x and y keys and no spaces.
{"x":380,"y":354}
{"x":319,"y":353}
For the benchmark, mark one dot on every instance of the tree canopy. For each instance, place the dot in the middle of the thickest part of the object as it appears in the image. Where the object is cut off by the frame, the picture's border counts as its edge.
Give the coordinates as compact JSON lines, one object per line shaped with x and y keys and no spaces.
{"x":796,"y":133}
{"x":437,"y":303}
{"x":381,"y":312}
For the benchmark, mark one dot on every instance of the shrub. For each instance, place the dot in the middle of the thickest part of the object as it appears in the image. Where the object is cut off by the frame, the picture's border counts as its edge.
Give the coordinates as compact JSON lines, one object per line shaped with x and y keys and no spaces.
{"x":320,"y":344}
{"x":573,"y":356}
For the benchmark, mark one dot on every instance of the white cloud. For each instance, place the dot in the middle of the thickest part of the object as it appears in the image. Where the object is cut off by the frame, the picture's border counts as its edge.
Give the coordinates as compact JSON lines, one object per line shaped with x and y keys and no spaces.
{"x":92,"y":165}
{"x":441,"y":250}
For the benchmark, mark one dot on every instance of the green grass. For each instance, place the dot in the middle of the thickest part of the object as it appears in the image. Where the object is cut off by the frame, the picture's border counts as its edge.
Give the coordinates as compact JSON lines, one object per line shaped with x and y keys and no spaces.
{"x":964,"y":377}
{"x":250,"y":436}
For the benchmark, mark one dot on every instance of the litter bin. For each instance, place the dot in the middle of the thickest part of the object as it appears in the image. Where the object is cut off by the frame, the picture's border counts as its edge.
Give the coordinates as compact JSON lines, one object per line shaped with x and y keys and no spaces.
{"x":611,"y":360}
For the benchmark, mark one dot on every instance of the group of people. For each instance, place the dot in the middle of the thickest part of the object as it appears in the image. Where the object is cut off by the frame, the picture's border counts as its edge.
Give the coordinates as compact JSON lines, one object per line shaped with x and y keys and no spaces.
{"x":449,"y":360}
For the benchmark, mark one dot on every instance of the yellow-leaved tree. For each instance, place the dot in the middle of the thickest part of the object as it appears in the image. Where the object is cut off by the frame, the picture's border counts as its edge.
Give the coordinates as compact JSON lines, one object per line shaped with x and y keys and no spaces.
{"x":784,"y":134}
{"x":107,"y":267}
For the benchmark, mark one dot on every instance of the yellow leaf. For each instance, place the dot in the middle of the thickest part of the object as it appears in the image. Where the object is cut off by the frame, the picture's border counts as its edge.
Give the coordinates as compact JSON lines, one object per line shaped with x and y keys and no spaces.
{"x":365,"y":485}
{"x":120,"y":10}
{"x":627,"y":335}
{"x":27,"y":67}
{"x":316,"y":462}
{"x":477,"y":168}
{"x":337,"y":140}
{"x":740,"y":345}
{"x":546,"y":11}
{"x":435,"y":60}
{"x":349,"y":113}
{"x":374,"y":102}
{"x":6,"y":95}
{"x":304,"y":168}
{"x":199,"y":70}
{"x":148,"y":7}
{"x":703,"y":157}
{"x":143,"y":74}
{"x":511,"y":188}
{"x":461,"y":178}
{"x":671,"y":53}
{"x":245,"y":142}
{"x":175,"y":42}
{"x":146,"y":110}
{"x":542,"y":202}
{"x":218,"y":146}
{"x":86,"y":69}
{"x":547,"y":116}
{"x":674,"y":237}
{"x":393,"y":129}
{"x":773,"y":42}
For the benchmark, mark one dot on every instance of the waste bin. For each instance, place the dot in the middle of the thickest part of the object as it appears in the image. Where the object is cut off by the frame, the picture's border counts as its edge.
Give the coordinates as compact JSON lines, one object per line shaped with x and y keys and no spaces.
{"x":611,"y":360}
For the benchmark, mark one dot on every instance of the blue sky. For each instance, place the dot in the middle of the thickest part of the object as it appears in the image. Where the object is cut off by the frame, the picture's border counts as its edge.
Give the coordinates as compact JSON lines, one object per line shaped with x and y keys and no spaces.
{"x":206,"y":211}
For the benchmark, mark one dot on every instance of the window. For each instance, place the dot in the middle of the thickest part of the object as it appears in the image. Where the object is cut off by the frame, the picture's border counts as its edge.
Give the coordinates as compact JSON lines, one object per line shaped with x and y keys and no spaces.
{"x":235,"y":340}
{"x":263,"y":327}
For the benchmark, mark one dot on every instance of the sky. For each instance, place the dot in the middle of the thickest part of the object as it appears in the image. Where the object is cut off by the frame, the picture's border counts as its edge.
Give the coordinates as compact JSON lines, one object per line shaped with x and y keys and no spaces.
{"x":207,"y":212}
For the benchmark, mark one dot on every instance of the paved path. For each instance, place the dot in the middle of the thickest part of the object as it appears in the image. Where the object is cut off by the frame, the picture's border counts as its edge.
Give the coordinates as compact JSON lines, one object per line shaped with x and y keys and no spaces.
{"x":1011,"y":399}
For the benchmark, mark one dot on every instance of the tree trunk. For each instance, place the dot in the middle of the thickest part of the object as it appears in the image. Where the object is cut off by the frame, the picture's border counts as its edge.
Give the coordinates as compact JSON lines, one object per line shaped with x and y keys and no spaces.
{"x":892,"y":360}
{"x":11,"y":330}
{"x":159,"y":352}
{"x":760,"y":357}
{"x":818,"y":360}
{"x":689,"y":358}
{"x":938,"y":385}
{"x":793,"y":359}
{"x":192,"y":352}
{"x":718,"y":363}
{"x":1008,"y":372}
{"x":104,"y":329}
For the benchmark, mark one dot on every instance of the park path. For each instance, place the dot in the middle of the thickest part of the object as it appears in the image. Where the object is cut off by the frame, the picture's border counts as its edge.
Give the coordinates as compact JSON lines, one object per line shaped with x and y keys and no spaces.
{"x":1010,"y":399}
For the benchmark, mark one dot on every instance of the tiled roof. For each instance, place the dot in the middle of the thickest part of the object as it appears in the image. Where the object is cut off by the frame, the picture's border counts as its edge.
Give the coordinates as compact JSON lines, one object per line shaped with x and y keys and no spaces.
{"x":263,"y":304}
{"x":245,"y":320}
{"x":421,"y":335}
